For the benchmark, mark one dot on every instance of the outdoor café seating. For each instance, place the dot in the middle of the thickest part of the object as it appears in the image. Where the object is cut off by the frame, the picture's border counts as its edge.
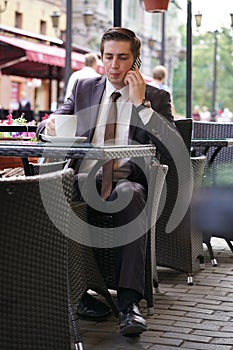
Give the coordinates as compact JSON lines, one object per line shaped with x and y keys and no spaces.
{"x":218,"y":183}
{"x":105,"y":257}
{"x":44,"y":273}
{"x":101,"y":221}
{"x":181,"y":249}
{"x":33,"y":263}
{"x":220,"y":171}
{"x":99,"y":277}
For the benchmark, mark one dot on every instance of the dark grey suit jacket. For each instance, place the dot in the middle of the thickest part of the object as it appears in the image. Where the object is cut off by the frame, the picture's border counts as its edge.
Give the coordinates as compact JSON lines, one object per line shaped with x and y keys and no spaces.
{"x":86,"y":97}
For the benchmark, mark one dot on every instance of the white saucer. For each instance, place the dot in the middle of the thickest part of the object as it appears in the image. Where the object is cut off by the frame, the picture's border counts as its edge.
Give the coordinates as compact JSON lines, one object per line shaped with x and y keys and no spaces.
{"x":60,"y":139}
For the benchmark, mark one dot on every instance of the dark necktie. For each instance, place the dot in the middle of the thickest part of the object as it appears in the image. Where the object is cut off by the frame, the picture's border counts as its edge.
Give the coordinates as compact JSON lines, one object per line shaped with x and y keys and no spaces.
{"x":107,"y":175}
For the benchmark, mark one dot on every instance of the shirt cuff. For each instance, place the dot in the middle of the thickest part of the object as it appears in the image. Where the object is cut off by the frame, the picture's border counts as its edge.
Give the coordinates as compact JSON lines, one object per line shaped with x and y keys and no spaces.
{"x":145,"y":115}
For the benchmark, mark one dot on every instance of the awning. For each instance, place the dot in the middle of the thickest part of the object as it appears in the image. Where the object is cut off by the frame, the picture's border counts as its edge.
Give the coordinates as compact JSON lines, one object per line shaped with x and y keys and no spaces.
{"x":29,"y":59}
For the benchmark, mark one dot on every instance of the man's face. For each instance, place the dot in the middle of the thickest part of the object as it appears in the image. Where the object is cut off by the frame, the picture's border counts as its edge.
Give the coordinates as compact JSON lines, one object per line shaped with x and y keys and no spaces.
{"x":117,"y":59}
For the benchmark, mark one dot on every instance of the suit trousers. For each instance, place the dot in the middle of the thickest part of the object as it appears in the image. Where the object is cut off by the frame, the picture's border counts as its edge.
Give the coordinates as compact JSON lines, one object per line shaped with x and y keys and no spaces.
{"x":130,"y":257}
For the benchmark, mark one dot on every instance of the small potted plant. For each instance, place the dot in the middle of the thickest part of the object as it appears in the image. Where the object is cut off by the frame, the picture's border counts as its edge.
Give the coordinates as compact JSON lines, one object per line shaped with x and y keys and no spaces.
{"x":156,"y":5}
{"x":15,"y":162}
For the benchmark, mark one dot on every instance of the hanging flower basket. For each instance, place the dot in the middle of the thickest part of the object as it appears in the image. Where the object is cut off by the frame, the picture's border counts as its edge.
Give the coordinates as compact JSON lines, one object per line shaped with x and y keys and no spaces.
{"x":156,"y":5}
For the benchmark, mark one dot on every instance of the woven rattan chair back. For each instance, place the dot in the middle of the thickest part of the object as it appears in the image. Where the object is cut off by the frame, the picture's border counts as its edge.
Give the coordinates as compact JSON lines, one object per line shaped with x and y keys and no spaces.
{"x":83,"y":271}
{"x":33,"y":263}
{"x":181,"y":249}
{"x":221,"y":169}
{"x":45,"y":168}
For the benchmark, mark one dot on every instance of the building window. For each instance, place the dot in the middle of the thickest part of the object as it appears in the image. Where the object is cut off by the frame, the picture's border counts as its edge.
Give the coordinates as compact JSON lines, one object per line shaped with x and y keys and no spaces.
{"x":43,"y":27}
{"x":18,"y":20}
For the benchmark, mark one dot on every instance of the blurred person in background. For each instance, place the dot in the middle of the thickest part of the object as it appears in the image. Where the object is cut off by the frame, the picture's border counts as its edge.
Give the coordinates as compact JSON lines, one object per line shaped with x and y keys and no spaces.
{"x":24,"y":104}
{"x":226,"y":116}
{"x":196,"y":113}
{"x":88,"y":71}
{"x":159,"y":77}
{"x":205,"y":115}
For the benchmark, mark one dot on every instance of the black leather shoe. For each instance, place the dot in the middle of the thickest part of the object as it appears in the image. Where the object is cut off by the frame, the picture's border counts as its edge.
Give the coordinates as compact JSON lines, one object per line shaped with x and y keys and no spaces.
{"x":131,"y":321}
{"x":92,"y":309}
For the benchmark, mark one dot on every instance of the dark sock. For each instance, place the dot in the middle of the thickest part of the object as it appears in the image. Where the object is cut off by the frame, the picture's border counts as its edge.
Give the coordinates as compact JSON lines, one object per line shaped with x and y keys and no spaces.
{"x":126,"y":297}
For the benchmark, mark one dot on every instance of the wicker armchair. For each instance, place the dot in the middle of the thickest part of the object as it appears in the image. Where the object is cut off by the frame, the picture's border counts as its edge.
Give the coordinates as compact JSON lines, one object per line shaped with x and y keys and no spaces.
{"x":105,"y":257}
{"x":45,"y":168}
{"x":83,"y":271}
{"x":33,"y":263}
{"x":219,"y":182}
{"x":81,"y":256}
{"x":221,"y":173}
{"x":182,"y":248}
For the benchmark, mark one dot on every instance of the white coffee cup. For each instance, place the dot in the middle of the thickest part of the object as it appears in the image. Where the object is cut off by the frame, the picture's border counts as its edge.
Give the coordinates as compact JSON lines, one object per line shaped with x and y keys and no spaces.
{"x":66,"y":125}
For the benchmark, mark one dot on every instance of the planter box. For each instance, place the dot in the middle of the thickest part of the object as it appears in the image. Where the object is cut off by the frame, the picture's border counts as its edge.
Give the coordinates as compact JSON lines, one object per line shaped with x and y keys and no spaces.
{"x":13,"y":162}
{"x":156,"y":5}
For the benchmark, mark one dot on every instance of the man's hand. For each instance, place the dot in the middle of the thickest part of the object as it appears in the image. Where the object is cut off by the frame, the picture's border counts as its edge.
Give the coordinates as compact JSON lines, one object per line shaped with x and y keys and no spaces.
{"x":50,"y":126}
{"x":137,"y":86}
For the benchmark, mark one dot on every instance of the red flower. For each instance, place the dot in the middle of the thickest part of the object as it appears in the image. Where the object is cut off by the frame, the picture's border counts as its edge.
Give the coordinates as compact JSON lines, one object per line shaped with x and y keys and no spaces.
{"x":45,"y":116}
{"x":10,"y":119}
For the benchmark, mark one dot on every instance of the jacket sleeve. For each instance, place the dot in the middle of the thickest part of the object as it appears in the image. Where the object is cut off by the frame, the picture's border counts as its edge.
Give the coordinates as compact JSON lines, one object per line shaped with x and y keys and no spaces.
{"x":160,"y":101}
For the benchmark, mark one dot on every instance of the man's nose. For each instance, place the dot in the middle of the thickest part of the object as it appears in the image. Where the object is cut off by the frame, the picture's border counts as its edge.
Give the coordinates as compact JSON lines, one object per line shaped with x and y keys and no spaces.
{"x":115,"y":63}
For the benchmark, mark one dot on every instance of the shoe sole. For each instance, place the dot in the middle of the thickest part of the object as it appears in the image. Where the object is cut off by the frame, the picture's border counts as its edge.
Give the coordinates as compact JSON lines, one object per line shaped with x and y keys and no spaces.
{"x":133,"y":329}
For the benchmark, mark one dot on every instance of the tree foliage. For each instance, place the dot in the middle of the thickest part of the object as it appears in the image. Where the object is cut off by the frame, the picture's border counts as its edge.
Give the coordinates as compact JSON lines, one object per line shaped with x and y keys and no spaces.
{"x":202,"y":72}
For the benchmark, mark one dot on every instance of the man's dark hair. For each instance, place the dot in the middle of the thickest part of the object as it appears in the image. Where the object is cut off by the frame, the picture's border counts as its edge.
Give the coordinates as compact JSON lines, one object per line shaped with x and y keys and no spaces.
{"x":122,"y":34}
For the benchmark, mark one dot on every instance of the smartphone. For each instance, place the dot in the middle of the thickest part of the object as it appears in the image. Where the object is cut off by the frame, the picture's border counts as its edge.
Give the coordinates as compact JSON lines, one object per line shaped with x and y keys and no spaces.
{"x":136,"y":64}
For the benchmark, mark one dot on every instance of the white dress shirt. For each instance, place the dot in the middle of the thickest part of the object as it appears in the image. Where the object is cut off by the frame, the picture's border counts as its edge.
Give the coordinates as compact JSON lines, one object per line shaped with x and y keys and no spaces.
{"x":124,"y":112}
{"x":85,"y":72}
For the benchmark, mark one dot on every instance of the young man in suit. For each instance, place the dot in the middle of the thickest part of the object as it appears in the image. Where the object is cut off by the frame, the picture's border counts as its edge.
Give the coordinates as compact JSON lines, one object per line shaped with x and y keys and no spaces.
{"x":143,"y":116}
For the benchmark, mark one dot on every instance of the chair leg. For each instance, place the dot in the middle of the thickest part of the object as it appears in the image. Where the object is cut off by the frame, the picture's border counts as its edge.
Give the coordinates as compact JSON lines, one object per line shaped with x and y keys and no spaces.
{"x":150,"y":301}
{"x":155,"y":283}
{"x":190,"y":279}
{"x":75,"y":328}
{"x":211,"y":253}
{"x":229,"y":244}
{"x":202,"y":267}
{"x":201,"y":261}
{"x":74,"y":323}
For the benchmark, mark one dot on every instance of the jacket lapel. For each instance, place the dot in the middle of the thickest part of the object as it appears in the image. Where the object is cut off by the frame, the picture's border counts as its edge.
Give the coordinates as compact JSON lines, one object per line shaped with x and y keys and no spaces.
{"x":88,"y":105}
{"x":96,"y":96}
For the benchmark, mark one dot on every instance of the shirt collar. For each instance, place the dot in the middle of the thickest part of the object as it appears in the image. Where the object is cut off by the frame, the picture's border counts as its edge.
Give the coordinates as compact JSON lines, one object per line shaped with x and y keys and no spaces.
{"x":110,"y":89}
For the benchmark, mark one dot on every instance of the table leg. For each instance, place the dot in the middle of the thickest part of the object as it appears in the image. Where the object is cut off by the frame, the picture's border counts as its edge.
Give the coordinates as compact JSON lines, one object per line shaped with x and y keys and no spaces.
{"x":26,"y":166}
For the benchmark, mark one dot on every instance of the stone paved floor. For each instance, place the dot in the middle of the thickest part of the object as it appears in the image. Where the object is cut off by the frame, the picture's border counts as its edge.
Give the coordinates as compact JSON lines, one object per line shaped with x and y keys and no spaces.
{"x":186,"y":317}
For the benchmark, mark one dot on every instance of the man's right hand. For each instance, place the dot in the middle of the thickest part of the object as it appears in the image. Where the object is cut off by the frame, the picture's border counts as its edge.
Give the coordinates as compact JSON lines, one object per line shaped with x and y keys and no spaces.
{"x":50,"y":126}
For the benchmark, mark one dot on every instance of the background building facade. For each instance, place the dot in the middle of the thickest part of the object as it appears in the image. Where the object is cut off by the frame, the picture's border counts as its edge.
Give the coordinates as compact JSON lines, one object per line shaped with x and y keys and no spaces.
{"x":32,"y":21}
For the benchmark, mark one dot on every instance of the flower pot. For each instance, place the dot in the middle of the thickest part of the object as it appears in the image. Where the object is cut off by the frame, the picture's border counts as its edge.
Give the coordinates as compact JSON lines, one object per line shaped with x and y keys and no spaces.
{"x":156,"y":5}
